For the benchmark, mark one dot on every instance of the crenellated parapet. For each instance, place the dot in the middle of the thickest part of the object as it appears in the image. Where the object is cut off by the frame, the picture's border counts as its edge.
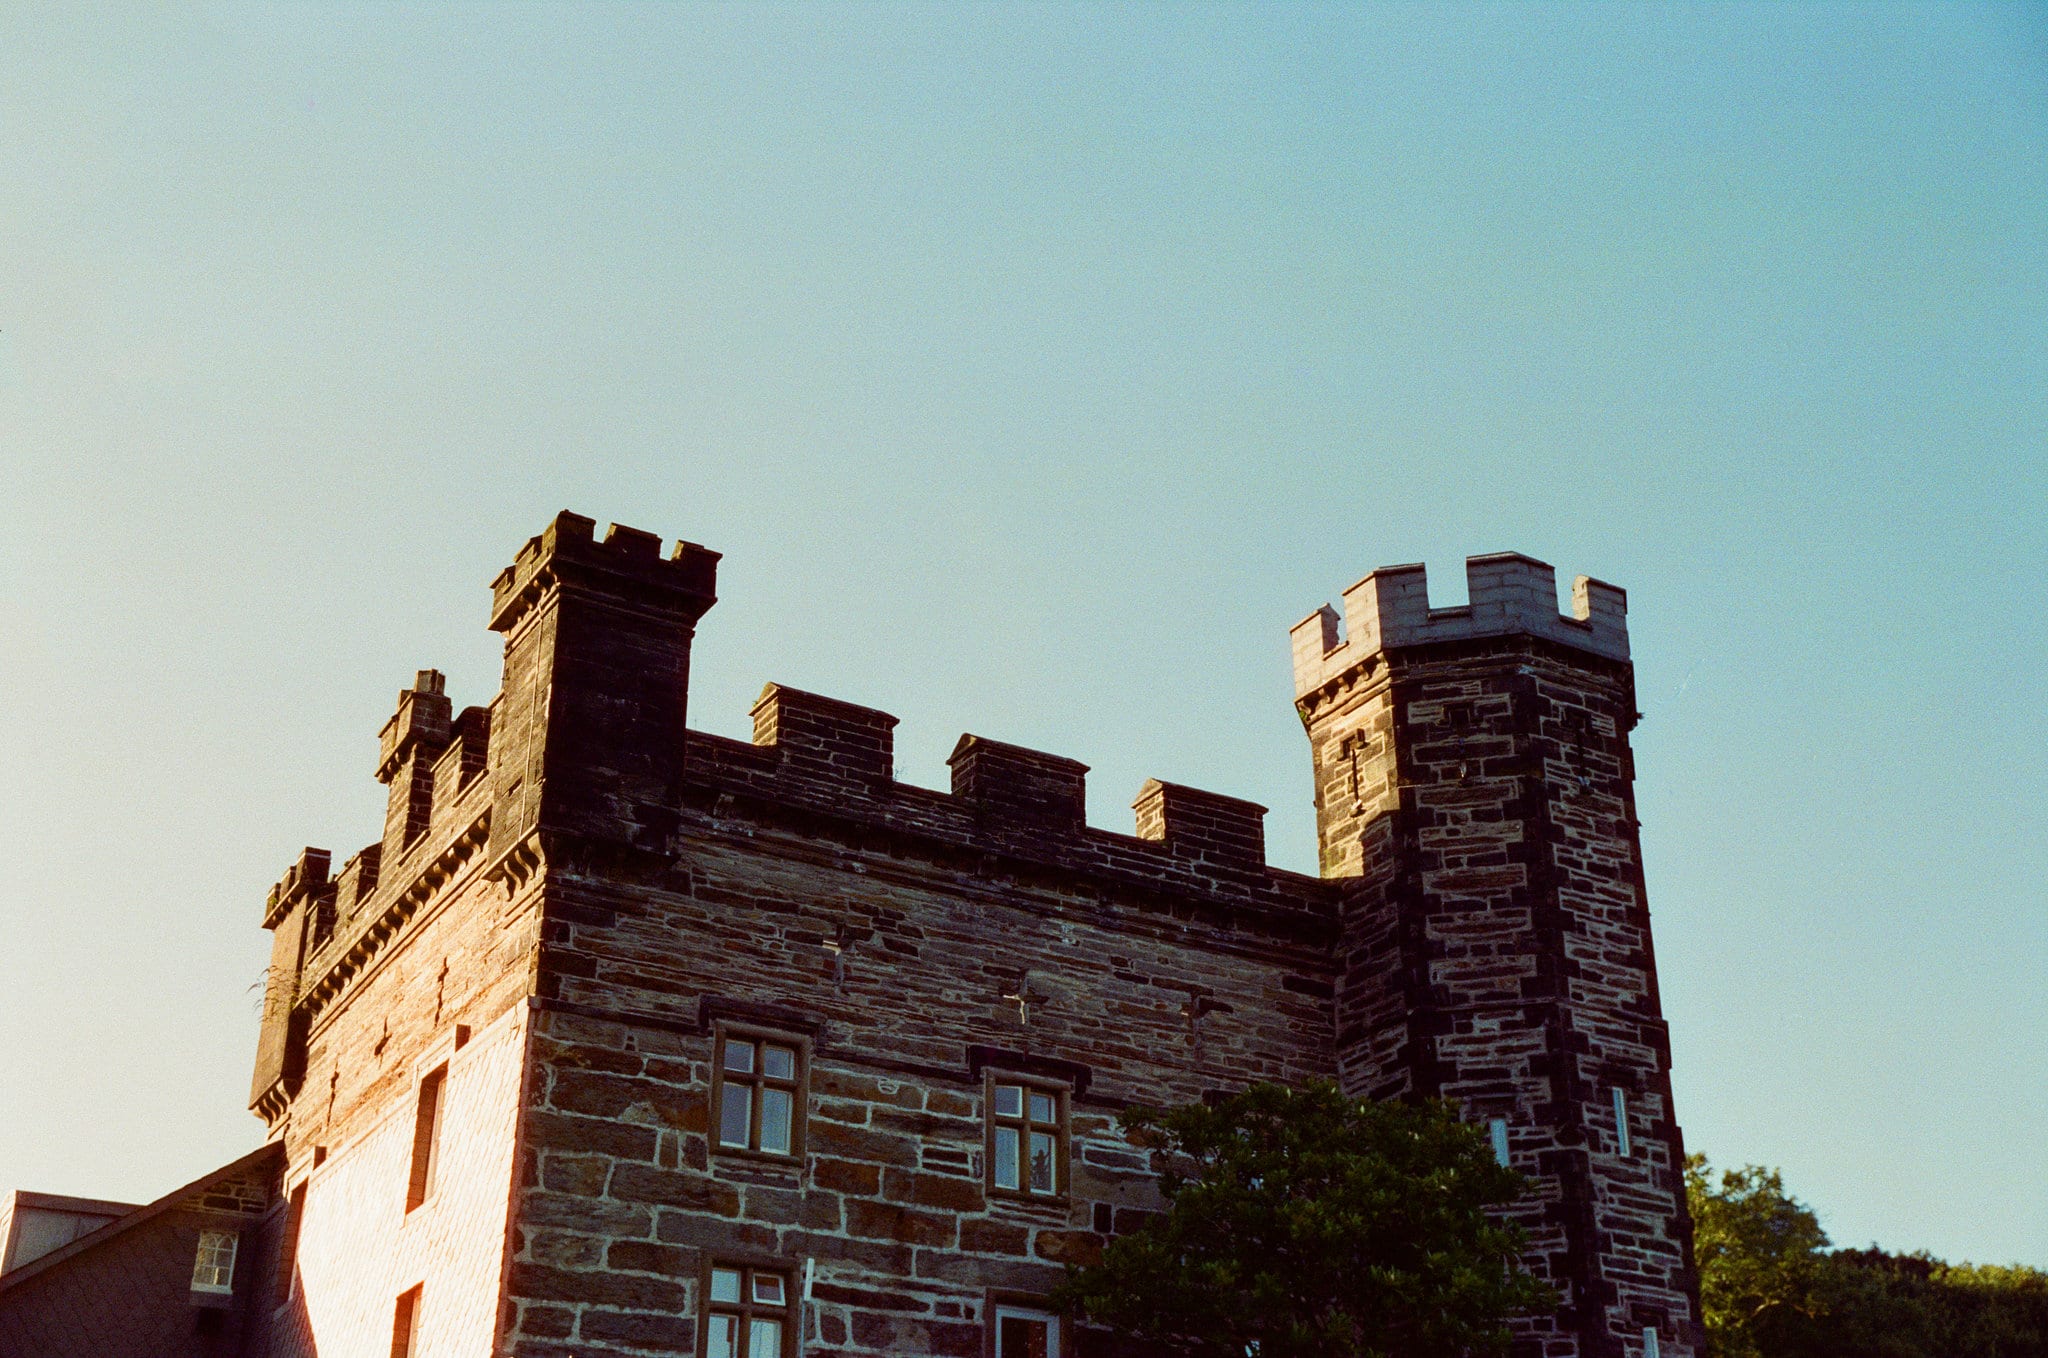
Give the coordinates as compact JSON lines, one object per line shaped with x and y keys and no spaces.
{"x":626,"y":566}
{"x":821,"y":762}
{"x":1507,"y":594}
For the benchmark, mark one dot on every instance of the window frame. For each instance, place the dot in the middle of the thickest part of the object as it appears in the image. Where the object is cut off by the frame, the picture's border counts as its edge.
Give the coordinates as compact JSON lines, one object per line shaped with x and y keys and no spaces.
{"x":286,"y":1283}
{"x":199,"y":1252}
{"x":799,"y":1087}
{"x":1062,"y":1130}
{"x":791,"y":1312}
{"x":405,"y":1321}
{"x":428,"y":1124}
{"x":1024,"y":1308}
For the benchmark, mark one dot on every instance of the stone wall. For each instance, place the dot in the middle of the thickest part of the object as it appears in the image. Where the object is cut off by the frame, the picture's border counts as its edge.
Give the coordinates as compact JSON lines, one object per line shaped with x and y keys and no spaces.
{"x":913,"y":942}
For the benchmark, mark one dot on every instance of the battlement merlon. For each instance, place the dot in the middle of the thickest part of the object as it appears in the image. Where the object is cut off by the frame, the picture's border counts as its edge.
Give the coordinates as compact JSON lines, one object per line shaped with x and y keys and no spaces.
{"x":627,"y":565}
{"x":303,"y":878}
{"x":1509,"y":594}
{"x":422,"y":721}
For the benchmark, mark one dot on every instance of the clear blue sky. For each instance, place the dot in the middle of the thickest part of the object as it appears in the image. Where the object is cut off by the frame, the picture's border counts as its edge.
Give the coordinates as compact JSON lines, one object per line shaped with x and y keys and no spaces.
{"x":1035,"y":368}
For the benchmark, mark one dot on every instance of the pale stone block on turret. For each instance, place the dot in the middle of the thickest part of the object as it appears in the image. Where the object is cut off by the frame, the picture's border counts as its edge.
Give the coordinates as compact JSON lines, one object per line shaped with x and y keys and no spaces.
{"x":1507,"y":593}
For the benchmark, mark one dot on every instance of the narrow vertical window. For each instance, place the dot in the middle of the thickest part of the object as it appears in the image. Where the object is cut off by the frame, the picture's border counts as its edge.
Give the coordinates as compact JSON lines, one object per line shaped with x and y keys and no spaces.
{"x":213,"y":1269}
{"x":747,"y":1313}
{"x":1026,"y":1138}
{"x":759,"y":1094}
{"x":1620,"y":1121}
{"x":1025,"y":1334}
{"x":426,"y":1135}
{"x":288,"y":1244}
{"x":405,"y":1324}
{"x":1498,"y":1131}
{"x":1650,"y":1349}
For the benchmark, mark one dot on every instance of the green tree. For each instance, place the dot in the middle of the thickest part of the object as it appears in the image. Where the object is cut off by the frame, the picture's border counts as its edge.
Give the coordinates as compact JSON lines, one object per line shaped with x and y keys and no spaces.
{"x":1759,"y":1254}
{"x":1300,"y":1223}
{"x":1770,"y":1288}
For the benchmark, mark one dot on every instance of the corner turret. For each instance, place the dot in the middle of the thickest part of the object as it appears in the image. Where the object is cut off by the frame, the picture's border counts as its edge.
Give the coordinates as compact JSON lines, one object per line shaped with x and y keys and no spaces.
{"x":589,"y":737}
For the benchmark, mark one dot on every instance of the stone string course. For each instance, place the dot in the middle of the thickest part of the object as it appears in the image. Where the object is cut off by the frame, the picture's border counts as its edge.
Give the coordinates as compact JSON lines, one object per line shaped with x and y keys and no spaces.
{"x":588,"y":890}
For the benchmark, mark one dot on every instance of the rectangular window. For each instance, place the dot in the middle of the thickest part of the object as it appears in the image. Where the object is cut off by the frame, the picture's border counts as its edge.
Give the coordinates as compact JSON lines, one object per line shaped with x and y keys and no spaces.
{"x":1650,"y":1349}
{"x":758,"y":1092}
{"x":426,"y":1134}
{"x":1498,"y":1130}
{"x":405,"y":1324}
{"x":1022,"y":1333}
{"x":213,"y":1270}
{"x":748,"y":1313}
{"x":288,"y":1244}
{"x":1620,"y":1121}
{"x":1027,"y":1135}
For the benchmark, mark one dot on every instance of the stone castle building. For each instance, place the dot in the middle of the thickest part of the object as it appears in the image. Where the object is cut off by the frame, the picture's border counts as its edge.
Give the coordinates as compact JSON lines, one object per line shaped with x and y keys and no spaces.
{"x":627,"y":1038}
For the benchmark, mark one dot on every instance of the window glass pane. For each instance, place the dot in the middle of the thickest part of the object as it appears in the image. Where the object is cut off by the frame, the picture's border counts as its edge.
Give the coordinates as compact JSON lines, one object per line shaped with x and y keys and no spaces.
{"x":768,"y":1289}
{"x":735,"y":1114}
{"x":721,"y":1340}
{"x":1041,"y":1163}
{"x":1006,"y":1157}
{"x":779,"y":1062}
{"x":213,"y":1267}
{"x":764,"y":1338}
{"x":725,"y":1284}
{"x":1041,"y":1107}
{"x":1022,"y":1337}
{"x":739,"y":1055}
{"x":775,"y":1107}
{"x":1009,"y":1101}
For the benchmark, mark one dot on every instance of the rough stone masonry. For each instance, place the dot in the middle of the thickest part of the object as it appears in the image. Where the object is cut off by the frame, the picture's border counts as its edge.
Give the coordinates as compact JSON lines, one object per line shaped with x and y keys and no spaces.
{"x":623,"y":1037}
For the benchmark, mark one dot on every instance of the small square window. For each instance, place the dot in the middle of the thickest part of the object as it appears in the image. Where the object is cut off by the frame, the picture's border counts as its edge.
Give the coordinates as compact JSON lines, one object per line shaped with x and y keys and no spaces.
{"x":213,"y":1269}
{"x":758,"y":1093}
{"x":1022,"y":1333}
{"x":746,"y":1313}
{"x":1027,"y":1138}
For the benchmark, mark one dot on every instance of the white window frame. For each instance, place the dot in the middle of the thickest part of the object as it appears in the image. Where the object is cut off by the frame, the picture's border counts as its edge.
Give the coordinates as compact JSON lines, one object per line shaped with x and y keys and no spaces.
{"x":1002,"y":1309}
{"x":206,"y":1261}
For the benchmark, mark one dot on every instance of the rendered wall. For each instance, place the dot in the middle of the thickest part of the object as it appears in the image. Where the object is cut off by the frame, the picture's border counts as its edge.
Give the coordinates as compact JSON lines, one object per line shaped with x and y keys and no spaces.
{"x":359,"y":1247}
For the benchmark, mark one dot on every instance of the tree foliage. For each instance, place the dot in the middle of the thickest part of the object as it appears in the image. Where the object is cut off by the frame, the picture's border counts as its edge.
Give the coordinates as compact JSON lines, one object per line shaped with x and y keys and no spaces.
{"x":1770,"y":1288}
{"x":1301,"y":1222}
{"x":1758,"y":1250}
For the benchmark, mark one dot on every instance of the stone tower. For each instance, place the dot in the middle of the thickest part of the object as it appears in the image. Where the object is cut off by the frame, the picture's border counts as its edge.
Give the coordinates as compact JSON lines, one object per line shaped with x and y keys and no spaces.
{"x":1474,"y":798}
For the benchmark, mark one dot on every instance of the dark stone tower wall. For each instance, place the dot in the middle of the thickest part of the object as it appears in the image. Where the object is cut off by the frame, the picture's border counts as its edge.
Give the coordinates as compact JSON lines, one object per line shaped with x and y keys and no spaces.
{"x":597,"y":674}
{"x":1474,"y":792}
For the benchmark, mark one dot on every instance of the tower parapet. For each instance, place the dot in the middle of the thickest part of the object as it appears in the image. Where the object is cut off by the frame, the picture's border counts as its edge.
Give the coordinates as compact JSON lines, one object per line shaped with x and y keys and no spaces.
{"x":589,"y":740}
{"x":1507,"y":593}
